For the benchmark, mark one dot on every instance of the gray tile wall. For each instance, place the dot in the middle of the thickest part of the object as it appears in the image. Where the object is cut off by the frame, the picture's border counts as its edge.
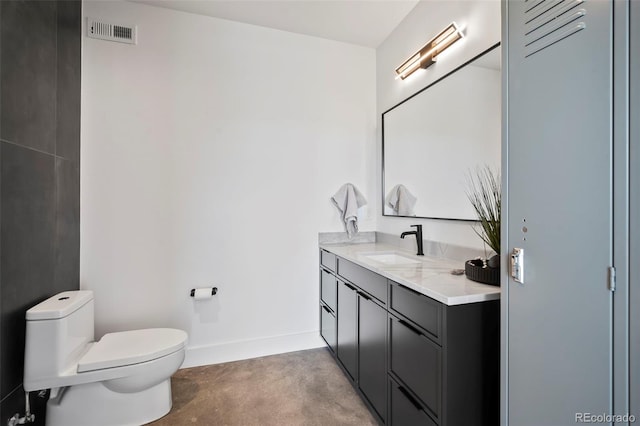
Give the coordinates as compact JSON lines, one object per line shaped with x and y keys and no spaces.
{"x":39,"y":171}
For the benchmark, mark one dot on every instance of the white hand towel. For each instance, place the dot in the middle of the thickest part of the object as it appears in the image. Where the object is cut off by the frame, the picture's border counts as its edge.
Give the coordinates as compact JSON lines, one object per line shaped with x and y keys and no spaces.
{"x":401,"y":201}
{"x":348,"y":200}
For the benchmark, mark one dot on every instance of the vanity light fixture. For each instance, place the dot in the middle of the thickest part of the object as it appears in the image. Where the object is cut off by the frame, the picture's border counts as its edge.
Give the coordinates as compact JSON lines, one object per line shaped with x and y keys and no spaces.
{"x":427,"y":55}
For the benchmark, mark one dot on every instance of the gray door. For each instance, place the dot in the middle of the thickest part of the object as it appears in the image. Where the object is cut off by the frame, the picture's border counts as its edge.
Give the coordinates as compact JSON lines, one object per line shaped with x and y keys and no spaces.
{"x":559,"y":210}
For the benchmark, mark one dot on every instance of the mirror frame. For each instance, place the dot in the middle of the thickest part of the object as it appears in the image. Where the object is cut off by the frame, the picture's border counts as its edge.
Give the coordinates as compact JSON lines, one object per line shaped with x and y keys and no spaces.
{"x":458,"y":68}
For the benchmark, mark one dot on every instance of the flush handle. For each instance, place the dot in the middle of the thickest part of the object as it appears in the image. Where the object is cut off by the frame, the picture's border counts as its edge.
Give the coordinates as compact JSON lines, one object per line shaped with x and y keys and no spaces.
{"x":517,"y":265}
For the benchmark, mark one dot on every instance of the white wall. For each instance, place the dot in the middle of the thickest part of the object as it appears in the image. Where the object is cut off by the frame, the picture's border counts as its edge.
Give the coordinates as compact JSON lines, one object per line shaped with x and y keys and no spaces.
{"x":481,"y":22}
{"x":209,"y":153}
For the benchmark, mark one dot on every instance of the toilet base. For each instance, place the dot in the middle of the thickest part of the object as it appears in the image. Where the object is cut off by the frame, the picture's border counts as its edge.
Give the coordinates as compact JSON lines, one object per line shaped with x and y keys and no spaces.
{"x":93,"y":404}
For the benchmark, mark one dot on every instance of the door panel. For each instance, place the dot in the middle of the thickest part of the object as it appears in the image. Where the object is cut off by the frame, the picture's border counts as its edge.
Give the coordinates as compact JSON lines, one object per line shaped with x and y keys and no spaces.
{"x":372,"y":354}
{"x":559,"y":211}
{"x":348,"y":328}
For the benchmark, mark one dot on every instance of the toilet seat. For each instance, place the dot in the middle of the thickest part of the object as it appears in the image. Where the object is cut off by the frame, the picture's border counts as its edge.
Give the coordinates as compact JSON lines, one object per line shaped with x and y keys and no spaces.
{"x":131,"y":347}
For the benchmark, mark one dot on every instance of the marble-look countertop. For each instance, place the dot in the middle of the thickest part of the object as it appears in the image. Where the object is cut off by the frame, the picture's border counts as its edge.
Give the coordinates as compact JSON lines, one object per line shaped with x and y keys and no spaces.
{"x":431,"y":277}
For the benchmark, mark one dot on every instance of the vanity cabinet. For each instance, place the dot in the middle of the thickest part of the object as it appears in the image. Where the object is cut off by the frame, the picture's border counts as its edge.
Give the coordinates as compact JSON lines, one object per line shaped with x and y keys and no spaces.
{"x":414,"y":360}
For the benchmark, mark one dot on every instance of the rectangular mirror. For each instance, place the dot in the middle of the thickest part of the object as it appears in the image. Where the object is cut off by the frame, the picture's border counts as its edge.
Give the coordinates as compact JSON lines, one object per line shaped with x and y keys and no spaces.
{"x":433,"y":140}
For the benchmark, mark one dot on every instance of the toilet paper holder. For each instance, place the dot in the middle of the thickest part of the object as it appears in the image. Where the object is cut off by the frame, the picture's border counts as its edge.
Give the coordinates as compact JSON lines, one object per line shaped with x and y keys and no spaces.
{"x":214,"y":290}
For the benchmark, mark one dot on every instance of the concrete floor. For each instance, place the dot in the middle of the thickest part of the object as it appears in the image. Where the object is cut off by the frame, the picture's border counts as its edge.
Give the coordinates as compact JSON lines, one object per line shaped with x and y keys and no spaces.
{"x":298,"y":388}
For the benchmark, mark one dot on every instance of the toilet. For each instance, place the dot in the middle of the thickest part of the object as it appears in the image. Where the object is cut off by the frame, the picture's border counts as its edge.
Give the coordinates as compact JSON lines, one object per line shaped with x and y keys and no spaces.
{"x":122,"y":379}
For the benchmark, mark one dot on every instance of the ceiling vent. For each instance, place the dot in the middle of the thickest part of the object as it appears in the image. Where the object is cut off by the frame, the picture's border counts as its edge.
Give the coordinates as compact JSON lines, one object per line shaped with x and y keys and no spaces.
{"x":111,"y":32}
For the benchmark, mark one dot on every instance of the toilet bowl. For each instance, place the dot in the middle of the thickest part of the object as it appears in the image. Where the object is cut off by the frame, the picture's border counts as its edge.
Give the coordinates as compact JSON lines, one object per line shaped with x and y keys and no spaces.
{"x":122,"y":379}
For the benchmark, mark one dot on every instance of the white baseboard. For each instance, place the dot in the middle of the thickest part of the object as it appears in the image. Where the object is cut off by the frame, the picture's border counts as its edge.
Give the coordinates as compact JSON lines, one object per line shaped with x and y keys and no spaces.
{"x":245,"y":349}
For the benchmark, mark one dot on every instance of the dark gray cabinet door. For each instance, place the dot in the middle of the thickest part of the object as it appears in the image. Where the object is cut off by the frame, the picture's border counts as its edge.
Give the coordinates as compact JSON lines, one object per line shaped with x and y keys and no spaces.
{"x":348,"y":328}
{"x":558,"y":207}
{"x":372,"y":354}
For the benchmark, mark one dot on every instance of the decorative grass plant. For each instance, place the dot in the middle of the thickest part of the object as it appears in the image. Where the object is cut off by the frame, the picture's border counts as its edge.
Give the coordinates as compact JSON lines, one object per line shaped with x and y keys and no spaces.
{"x":485,"y":194}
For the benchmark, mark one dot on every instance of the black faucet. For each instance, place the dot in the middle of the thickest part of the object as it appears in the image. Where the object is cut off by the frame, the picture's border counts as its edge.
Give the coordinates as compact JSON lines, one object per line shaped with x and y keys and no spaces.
{"x":418,"y":234}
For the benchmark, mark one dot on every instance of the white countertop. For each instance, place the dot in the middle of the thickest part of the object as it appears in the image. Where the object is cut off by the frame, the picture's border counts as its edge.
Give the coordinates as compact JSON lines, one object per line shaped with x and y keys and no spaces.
{"x":431,"y":276}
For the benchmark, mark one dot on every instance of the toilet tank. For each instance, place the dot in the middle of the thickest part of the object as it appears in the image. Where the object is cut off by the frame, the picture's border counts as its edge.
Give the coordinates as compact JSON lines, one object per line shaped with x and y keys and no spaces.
{"x":58,"y":331}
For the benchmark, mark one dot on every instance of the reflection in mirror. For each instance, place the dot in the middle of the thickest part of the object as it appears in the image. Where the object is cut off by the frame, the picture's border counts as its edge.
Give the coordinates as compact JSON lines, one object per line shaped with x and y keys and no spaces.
{"x":433,"y":140}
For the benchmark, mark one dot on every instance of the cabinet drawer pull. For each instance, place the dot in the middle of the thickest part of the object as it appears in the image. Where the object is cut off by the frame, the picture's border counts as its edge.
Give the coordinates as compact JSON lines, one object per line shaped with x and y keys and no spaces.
{"x":410,"y":327}
{"x":364,"y":296}
{"x":326,"y":308}
{"x":410,"y":398}
{"x":410,"y":290}
{"x":349,"y":286}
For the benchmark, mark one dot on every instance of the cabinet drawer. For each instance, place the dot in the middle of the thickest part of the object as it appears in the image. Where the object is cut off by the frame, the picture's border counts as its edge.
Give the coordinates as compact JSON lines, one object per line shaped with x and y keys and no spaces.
{"x":405,"y":410}
{"x":328,"y":326}
{"x":372,"y":283}
{"x":422,"y":310}
{"x":416,"y":361}
{"x":329,"y":289}
{"x":328,"y":260}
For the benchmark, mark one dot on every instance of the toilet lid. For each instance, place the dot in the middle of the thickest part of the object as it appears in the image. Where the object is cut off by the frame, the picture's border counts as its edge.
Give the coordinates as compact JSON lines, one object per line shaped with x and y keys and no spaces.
{"x":131,"y":347}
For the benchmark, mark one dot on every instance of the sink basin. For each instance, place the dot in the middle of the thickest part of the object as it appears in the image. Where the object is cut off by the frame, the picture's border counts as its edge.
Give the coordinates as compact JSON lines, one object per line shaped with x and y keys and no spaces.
{"x":391,"y":259}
